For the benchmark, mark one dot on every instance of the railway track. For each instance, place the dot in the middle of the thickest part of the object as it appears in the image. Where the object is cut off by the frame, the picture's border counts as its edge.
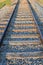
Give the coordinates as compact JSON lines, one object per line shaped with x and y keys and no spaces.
{"x":39,"y":17}
{"x":22,"y":43}
{"x":4,"y":22}
{"x":40,"y":20}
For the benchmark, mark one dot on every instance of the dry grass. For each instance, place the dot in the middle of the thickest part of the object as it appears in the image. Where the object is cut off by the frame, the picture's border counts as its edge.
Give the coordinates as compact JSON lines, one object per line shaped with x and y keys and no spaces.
{"x":40,"y":2}
{"x":2,"y":0}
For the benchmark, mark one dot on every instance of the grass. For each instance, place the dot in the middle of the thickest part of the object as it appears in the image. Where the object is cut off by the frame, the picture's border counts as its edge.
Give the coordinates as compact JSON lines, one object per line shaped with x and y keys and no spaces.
{"x":2,"y":4}
{"x":6,"y":2}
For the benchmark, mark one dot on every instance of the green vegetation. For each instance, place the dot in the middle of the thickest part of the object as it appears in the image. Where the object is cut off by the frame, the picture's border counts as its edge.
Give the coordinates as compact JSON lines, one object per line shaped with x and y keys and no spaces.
{"x":2,"y":4}
{"x":6,"y":2}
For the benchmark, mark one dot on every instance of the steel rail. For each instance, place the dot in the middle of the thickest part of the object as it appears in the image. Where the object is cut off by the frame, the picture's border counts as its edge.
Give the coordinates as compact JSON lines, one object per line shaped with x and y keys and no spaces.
{"x":35,"y":21}
{"x":1,"y":40}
